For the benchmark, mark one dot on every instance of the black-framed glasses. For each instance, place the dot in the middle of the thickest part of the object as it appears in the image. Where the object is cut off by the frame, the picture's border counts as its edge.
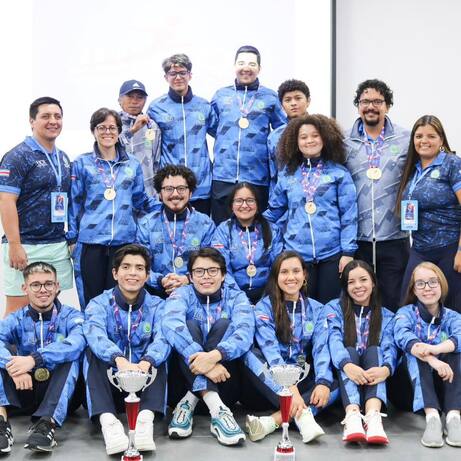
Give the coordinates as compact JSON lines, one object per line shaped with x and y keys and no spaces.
{"x":211,"y":271}
{"x":431,"y":283}
{"x":37,"y":286}
{"x":174,"y":74}
{"x":101,"y":129}
{"x":241,"y":201}
{"x":373,"y":102}
{"x":170,"y":189}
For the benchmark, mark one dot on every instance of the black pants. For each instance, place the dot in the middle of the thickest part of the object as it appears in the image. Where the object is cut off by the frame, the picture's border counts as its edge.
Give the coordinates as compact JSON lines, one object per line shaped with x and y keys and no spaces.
{"x":203,"y":205}
{"x":229,"y":391}
{"x":96,"y":269}
{"x":323,"y":282}
{"x":103,"y":397}
{"x":220,"y":206}
{"x":391,"y":261}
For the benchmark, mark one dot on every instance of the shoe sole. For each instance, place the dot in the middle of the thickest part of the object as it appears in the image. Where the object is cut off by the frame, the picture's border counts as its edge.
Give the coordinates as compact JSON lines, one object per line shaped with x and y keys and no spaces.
{"x":228,"y":442}
{"x":146,"y":447}
{"x":314,"y":436}
{"x":432,"y":445}
{"x":6,"y":450}
{"x":117,"y":449}
{"x":253,"y":435}
{"x":453,"y":444}
{"x":357,"y":437}
{"x":39,"y":448}
{"x":377,"y":440}
{"x":175,"y":435}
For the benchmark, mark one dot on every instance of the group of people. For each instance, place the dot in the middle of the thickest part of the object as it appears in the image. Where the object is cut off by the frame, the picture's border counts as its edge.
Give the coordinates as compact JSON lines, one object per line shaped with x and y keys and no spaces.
{"x":298,"y":208}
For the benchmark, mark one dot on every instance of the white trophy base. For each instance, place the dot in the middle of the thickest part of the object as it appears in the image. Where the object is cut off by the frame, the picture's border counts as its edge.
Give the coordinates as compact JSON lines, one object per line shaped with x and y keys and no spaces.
{"x":280,"y":456}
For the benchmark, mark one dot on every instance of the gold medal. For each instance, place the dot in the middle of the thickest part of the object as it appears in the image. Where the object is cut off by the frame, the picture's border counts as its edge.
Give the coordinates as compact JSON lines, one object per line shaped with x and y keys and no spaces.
{"x":251,"y":270}
{"x":374,"y":173}
{"x":150,"y":134}
{"x":178,"y":262}
{"x":110,"y":194}
{"x":41,"y":374}
{"x":244,"y":123}
{"x":310,"y":207}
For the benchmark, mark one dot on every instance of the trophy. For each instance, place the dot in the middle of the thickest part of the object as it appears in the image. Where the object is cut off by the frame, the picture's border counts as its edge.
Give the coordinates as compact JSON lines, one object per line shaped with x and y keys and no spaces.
{"x":131,"y":381}
{"x":286,"y":376}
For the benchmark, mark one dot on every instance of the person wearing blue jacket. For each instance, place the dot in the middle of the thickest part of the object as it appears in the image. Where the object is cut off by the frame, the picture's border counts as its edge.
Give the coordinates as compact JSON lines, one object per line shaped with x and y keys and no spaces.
{"x":318,"y":194}
{"x":210,"y":325}
{"x":174,"y":230}
{"x":429,"y":334}
{"x":41,"y":375}
{"x":184,"y":120}
{"x":363,"y":351}
{"x":248,"y":242}
{"x":107,"y":186}
{"x":246,"y":112}
{"x":290,"y":329}
{"x":123,"y":330}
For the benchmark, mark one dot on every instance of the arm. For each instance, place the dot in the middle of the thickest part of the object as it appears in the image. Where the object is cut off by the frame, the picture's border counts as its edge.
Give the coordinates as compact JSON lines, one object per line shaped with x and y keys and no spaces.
{"x":278,"y":202}
{"x":141,"y":201}
{"x":457,"y":261}
{"x":209,"y":231}
{"x":277,"y":243}
{"x":278,"y":116}
{"x":320,"y":349}
{"x":404,"y":335}
{"x":77,"y":199}
{"x":7,"y":336}
{"x":221,"y":241}
{"x":339,"y":354}
{"x":348,"y":214}
{"x":389,"y":347}
{"x":212,"y":122}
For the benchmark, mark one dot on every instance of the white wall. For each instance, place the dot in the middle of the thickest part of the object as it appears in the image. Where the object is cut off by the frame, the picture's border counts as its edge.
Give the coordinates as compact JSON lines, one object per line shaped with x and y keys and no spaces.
{"x":414,"y":46}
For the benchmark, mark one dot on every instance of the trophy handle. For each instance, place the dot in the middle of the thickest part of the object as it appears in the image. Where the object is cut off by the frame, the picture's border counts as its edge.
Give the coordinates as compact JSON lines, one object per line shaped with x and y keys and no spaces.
{"x":150,"y":378}
{"x":305,"y":371}
{"x":111,"y":376}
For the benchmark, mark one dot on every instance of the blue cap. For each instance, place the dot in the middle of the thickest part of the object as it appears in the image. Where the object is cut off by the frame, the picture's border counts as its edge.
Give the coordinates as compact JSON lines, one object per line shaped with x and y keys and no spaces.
{"x":132,"y":85}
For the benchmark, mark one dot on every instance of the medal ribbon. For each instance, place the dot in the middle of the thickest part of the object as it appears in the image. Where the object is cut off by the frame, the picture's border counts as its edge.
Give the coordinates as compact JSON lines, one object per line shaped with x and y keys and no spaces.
{"x":250,"y":247}
{"x":297,"y":339}
{"x":309,"y":184}
{"x":126,"y":339}
{"x":430,"y":337}
{"x":178,"y":249}
{"x":362,"y":329}
{"x":373,"y":149}
{"x":106,"y":179}
{"x":245,"y":111}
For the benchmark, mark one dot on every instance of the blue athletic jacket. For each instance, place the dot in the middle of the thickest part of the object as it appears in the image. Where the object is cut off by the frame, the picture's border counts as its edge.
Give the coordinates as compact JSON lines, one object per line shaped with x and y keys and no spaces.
{"x":272,"y":143}
{"x":109,"y":340}
{"x":309,"y":333}
{"x":228,"y":241}
{"x":153,"y":233}
{"x":249,"y":161}
{"x":22,"y":329}
{"x":333,"y":228}
{"x":339,"y":354}
{"x":184,"y":123}
{"x":409,"y":329}
{"x":92,"y":218}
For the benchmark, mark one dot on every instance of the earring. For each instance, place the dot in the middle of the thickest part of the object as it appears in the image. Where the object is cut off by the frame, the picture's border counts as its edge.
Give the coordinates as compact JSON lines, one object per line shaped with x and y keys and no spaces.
{"x":441,"y":149}
{"x":305,"y":283}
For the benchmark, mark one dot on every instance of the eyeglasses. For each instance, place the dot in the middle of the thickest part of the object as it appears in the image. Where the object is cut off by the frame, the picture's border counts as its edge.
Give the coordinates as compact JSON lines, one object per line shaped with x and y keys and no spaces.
{"x":101,"y":129}
{"x":170,"y":189}
{"x":37,"y":286}
{"x":241,"y":201}
{"x":211,"y":271}
{"x":174,"y":74}
{"x":373,"y":102}
{"x":431,"y":283}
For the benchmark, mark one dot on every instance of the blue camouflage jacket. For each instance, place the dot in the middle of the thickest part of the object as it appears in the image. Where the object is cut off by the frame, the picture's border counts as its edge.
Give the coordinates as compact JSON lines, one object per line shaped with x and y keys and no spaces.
{"x":184,"y":123}
{"x":332,"y":229}
{"x":339,"y":354}
{"x":22,"y":329}
{"x":92,"y":218}
{"x":247,"y":159}
{"x":228,"y":240}
{"x":153,"y":233}
{"x":108,"y":338}
{"x":310,"y":336}
{"x":414,"y":324}
{"x":272,"y":143}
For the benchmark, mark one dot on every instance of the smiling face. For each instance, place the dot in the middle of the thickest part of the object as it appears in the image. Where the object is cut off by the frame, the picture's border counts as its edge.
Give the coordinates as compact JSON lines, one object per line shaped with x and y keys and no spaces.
{"x":246,"y":68}
{"x":244,"y":206}
{"x":41,"y":288}
{"x":310,"y":142}
{"x":47,"y":124}
{"x":372,"y":107}
{"x":291,"y":278}
{"x":427,"y":142}
{"x":206,"y":276}
{"x":178,"y":79}
{"x":171,"y":198}
{"x":295,"y":103}
{"x":133,"y":102}
{"x":360,"y":286}
{"x":106,"y":133}
{"x":429,"y":296}
{"x":131,"y":275}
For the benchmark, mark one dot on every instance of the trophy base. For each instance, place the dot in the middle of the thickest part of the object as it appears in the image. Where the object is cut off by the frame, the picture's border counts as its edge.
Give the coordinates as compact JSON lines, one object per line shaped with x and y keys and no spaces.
{"x":131,"y":457}
{"x":284,"y":454}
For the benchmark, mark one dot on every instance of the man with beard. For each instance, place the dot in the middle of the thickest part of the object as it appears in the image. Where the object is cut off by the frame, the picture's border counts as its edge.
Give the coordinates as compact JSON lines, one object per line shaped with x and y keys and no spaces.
{"x":376,"y":152}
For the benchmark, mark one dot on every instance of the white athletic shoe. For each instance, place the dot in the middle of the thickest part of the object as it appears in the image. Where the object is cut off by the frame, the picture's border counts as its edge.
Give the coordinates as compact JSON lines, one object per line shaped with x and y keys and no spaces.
{"x":375,"y":430}
{"x":353,"y":427}
{"x":144,"y":435}
{"x":114,"y":436}
{"x":308,"y":426}
{"x":258,"y":427}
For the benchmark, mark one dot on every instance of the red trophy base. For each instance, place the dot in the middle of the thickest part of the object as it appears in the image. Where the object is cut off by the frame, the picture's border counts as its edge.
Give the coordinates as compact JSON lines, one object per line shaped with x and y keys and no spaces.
{"x":132,"y":410}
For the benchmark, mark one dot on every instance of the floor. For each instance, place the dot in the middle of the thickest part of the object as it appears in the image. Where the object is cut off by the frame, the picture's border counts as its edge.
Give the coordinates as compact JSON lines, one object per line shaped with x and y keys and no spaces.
{"x":79,"y":439}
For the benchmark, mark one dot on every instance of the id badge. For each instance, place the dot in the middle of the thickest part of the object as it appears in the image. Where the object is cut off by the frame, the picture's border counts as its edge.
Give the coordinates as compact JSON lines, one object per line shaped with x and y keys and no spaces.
{"x":59,"y":207}
{"x":409,"y":215}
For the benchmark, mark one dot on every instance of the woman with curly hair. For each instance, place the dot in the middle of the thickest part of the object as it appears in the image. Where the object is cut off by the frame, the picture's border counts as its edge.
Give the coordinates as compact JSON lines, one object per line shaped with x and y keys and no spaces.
{"x":318,"y":195}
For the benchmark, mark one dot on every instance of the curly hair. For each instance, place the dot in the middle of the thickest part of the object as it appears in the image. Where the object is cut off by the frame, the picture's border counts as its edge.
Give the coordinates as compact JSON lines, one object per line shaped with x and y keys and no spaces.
{"x":180,"y":60}
{"x":293,"y":85}
{"x":377,"y":85}
{"x":175,"y":170}
{"x":288,"y":153}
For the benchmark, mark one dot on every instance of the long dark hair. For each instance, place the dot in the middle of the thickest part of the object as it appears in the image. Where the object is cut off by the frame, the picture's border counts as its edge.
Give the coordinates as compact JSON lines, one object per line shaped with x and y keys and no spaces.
{"x":347,"y":305}
{"x":277,"y":299}
{"x":413,"y":156}
{"x":266,"y":228}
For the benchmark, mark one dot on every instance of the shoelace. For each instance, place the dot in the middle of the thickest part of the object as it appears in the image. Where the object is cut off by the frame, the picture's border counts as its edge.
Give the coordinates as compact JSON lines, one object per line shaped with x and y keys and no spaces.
{"x":349,"y":415}
{"x":373,"y":415}
{"x":180,"y":413}
{"x":42,"y":427}
{"x":4,"y":426}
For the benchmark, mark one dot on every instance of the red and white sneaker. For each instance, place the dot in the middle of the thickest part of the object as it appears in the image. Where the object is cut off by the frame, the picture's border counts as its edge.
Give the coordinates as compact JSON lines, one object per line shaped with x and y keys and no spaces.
{"x":353,"y":427}
{"x":374,"y":428}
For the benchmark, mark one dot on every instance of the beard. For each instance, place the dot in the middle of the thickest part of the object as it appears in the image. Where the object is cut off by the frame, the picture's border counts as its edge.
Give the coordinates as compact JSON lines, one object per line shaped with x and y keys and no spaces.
{"x":372,"y":122}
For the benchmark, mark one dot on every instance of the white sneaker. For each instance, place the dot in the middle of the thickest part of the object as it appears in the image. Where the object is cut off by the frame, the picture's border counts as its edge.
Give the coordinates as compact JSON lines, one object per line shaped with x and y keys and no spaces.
{"x":258,"y":427}
{"x":114,"y":436}
{"x":353,"y":427}
{"x":144,"y":434}
{"x":308,"y":426}
{"x":374,"y":427}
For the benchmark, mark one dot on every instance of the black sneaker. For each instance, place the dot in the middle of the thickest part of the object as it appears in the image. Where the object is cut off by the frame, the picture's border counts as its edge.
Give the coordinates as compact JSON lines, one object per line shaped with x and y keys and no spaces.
{"x":41,"y":436}
{"x":6,"y":436}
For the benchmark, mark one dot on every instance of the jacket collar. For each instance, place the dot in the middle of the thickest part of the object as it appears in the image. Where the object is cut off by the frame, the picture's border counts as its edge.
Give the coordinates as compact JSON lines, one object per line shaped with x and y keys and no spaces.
{"x":427,"y":316}
{"x":436,"y":162}
{"x":179,"y":216}
{"x":243,"y":228}
{"x":250,"y":87}
{"x":357,"y":129}
{"x":120,"y":300}
{"x":214,"y":298}
{"x":177,"y":98}
{"x":46,"y":316}
{"x":121,"y":155}
{"x":358,"y":308}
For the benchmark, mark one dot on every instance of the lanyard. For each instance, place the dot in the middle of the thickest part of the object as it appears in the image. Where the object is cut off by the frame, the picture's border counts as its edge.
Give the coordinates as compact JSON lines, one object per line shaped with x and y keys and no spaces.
{"x":362,"y":330}
{"x":417,"y":177}
{"x":106,"y":179}
{"x":51,"y":329}
{"x":250,"y":247}
{"x":295,"y":339}
{"x":310,"y":185}
{"x":178,"y":249}
{"x":430,"y":337}
{"x":56,"y":171}
{"x":373,"y":149}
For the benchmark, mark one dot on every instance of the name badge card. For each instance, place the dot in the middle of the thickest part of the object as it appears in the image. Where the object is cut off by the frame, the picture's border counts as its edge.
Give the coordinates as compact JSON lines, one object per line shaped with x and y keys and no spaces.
{"x":59,"y":202}
{"x":409,"y":215}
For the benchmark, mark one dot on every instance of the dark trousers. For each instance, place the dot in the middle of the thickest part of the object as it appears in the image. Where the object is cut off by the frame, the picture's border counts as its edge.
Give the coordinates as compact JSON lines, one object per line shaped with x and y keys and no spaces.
{"x":96,"y":269}
{"x":391,"y":261}
{"x":229,"y":391}
{"x":220,"y":206}
{"x":442,"y":257}
{"x":103,"y":397}
{"x":323,"y":281}
{"x":203,"y":205}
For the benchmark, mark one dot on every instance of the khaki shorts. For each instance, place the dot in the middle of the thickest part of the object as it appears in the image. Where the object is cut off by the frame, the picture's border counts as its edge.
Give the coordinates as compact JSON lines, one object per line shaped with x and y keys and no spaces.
{"x":56,"y":254}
